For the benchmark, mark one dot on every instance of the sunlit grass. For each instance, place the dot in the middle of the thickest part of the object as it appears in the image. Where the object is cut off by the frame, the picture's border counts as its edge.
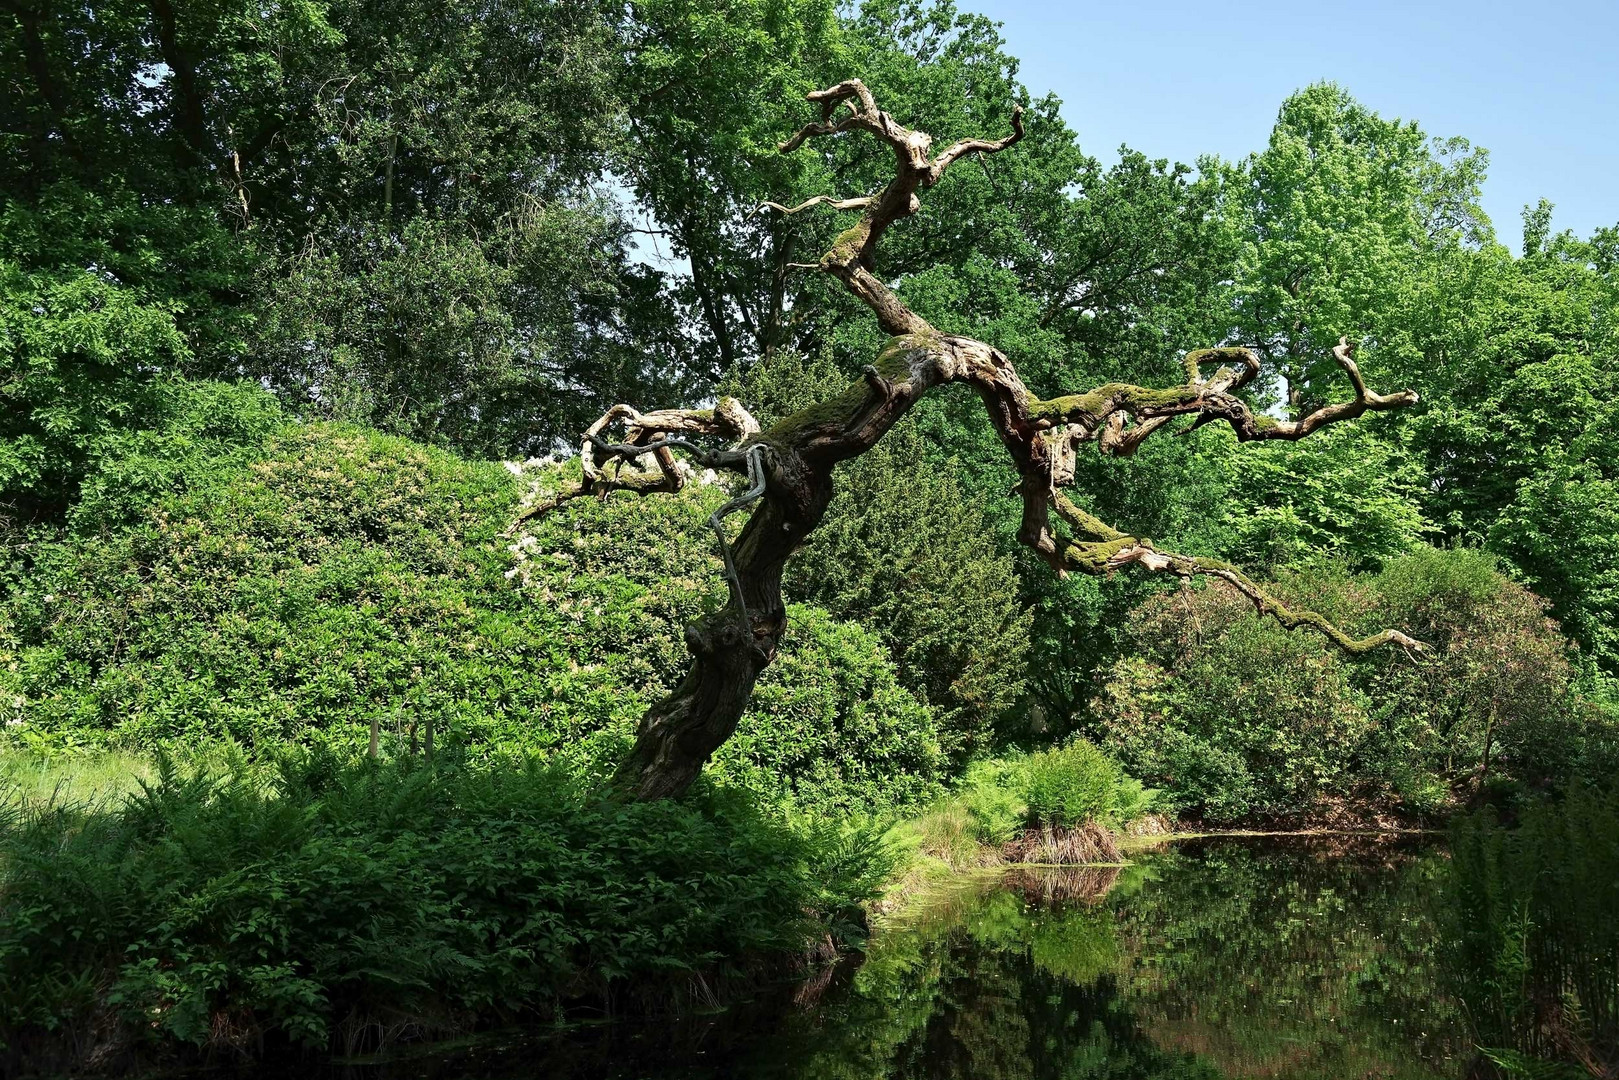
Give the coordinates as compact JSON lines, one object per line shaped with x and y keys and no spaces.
{"x":94,"y":777}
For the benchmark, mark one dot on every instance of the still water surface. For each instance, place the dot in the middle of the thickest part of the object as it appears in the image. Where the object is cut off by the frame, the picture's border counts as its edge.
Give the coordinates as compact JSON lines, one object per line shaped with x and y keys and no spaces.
{"x":1208,"y":959}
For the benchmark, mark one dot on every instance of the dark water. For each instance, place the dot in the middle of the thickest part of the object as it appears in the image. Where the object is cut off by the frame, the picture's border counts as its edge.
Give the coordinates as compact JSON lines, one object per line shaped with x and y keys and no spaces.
{"x":1227,"y":958}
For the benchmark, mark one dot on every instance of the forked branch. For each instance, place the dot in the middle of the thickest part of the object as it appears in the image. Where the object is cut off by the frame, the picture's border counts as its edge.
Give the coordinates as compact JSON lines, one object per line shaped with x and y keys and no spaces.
{"x":850,"y":258}
{"x":653,"y":435}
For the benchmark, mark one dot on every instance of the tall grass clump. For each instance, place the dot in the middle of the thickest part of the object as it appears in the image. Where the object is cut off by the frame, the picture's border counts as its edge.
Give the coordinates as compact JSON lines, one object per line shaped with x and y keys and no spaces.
{"x":72,"y":777}
{"x":333,"y":903}
{"x":1535,"y":934}
{"x":1077,"y":783}
{"x":1062,"y":805}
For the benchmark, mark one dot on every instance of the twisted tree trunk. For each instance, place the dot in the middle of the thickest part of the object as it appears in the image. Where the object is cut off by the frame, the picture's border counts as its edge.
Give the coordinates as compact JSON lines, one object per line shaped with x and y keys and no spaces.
{"x":790,"y":466}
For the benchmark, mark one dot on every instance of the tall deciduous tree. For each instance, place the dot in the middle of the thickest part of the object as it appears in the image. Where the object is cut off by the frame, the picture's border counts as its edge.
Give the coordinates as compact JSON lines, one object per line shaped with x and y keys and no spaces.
{"x":789,"y":467}
{"x":390,"y":212}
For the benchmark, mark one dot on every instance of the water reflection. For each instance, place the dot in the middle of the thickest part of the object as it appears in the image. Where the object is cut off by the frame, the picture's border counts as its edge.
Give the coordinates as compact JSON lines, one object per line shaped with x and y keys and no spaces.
{"x":1229,"y":958}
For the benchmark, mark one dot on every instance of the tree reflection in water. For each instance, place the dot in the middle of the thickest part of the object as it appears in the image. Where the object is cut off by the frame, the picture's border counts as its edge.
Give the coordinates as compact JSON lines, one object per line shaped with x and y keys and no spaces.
{"x":1218,"y":958}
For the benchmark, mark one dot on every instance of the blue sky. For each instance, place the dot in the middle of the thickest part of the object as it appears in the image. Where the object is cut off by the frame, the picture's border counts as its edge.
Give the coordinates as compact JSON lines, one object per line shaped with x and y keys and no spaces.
{"x":1537,"y":84}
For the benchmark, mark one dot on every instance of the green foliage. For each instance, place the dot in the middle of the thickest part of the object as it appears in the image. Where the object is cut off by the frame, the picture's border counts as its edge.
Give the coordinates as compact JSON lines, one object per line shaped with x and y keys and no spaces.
{"x":340,"y":579}
{"x":1497,"y":692}
{"x":902,"y":550}
{"x":1344,"y":493}
{"x":1075,"y":784}
{"x":94,"y":405}
{"x":833,"y":725}
{"x":1342,"y":212}
{"x":1229,"y":714}
{"x":998,"y":798}
{"x":1235,"y":717}
{"x":1519,"y":380}
{"x":387,"y":212}
{"x":302,"y":903}
{"x":1533,"y":944}
{"x":429,"y":332}
{"x":1562,"y":530}
{"x":991,"y":795}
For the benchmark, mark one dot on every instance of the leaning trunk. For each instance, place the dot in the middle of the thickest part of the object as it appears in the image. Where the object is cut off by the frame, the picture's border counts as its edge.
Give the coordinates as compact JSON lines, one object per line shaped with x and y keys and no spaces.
{"x":729,"y":649}
{"x":679,"y":733}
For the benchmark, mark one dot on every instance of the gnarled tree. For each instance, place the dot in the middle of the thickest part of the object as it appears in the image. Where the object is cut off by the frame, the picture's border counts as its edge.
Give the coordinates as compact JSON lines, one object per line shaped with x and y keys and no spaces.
{"x":789,"y":467}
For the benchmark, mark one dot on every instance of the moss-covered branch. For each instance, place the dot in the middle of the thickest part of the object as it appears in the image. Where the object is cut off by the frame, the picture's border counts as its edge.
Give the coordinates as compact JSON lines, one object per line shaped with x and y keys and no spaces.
{"x":797,"y":454}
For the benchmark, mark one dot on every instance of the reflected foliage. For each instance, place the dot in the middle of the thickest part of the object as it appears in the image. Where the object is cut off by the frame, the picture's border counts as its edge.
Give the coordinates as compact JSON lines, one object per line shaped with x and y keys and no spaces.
{"x":1534,"y":945}
{"x":1221,"y":959}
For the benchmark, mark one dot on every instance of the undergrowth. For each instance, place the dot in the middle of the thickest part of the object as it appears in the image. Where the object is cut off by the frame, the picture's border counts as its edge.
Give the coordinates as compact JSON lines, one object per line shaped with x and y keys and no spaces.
{"x":338,"y":903}
{"x":1059,"y":805}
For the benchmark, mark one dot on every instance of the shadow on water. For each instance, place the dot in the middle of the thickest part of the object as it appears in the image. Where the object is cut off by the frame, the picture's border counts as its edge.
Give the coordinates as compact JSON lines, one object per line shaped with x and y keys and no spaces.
{"x":1212,"y":958}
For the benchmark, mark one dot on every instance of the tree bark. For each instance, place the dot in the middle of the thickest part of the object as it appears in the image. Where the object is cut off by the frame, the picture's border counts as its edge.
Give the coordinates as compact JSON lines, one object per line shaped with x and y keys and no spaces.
{"x":794,"y":460}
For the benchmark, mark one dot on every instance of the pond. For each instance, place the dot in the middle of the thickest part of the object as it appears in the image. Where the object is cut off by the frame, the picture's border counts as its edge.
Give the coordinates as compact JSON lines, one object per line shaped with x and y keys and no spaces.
{"x":1228,"y":957}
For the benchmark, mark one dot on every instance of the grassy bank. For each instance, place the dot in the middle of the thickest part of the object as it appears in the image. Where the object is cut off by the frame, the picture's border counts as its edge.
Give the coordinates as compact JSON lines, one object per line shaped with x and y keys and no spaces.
{"x":1071,"y":806}
{"x":325,"y":903}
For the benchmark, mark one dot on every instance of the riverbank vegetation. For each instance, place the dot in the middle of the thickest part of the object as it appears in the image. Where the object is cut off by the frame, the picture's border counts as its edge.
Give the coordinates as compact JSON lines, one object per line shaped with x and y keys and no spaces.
{"x":317,"y":901}
{"x":303,"y":309}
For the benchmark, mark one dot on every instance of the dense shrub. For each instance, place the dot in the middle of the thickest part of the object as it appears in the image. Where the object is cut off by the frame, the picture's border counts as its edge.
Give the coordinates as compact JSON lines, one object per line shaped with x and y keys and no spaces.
{"x":328,"y":899}
{"x":342,"y":579}
{"x":904,"y":550}
{"x":1494,"y":697}
{"x":325,"y":583}
{"x":94,"y":400}
{"x":1229,"y":714}
{"x":1533,"y":945}
{"x":1236,"y":717}
{"x":832,"y":725}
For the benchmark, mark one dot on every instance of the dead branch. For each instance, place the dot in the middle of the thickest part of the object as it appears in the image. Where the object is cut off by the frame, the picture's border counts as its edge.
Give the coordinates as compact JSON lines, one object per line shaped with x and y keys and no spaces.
{"x":651,"y":435}
{"x":790,"y":466}
{"x":859,"y":203}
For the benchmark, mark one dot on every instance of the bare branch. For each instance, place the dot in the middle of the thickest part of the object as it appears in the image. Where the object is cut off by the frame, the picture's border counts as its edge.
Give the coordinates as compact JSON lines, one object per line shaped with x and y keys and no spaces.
{"x":756,"y":489}
{"x":1210,"y":401}
{"x":976,"y":146}
{"x":1115,"y":439}
{"x":650,"y":434}
{"x":809,"y":131}
{"x":1108,"y":550}
{"x":851,"y":255}
{"x":859,"y":203}
{"x":1365,"y":401}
